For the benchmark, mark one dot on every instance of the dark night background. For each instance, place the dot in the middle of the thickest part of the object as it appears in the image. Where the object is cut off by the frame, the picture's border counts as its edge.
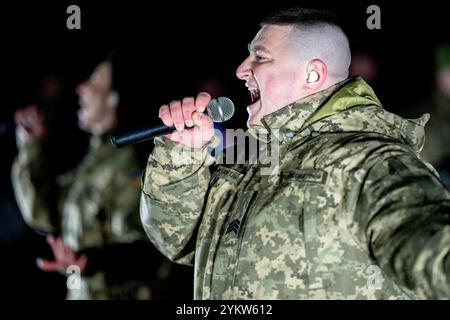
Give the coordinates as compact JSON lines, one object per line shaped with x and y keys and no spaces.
{"x":166,"y":50}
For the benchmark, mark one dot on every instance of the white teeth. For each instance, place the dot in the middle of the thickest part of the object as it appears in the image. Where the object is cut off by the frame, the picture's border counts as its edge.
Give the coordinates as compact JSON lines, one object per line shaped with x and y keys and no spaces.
{"x":251,"y":87}
{"x":254,"y":93}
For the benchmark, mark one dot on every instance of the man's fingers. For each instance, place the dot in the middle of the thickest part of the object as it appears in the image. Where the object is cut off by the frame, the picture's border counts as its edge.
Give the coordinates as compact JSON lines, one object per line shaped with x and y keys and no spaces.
{"x":48,"y":266}
{"x":18,"y":117}
{"x":184,"y":115}
{"x":175,"y":136}
{"x":177,"y":115}
{"x":164,"y":114}
{"x":188,"y":107}
{"x":35,"y":116}
{"x":51,"y":242}
{"x":202,"y":120}
{"x":81,"y":262}
{"x":69,"y":255}
{"x":30,"y":116}
{"x":202,"y":101}
{"x":57,"y":246}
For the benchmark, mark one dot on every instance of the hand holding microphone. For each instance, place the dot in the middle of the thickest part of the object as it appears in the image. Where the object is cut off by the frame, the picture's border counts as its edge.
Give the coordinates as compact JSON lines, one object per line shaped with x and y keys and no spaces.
{"x":184,"y":121}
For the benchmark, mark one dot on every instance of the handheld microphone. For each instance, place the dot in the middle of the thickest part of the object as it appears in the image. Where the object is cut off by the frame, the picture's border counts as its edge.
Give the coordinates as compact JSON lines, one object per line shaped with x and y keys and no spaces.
{"x":219,"y":110}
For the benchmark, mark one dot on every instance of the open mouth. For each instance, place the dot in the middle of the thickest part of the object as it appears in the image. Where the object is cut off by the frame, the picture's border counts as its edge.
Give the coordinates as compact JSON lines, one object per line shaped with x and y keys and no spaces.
{"x":254,"y":94}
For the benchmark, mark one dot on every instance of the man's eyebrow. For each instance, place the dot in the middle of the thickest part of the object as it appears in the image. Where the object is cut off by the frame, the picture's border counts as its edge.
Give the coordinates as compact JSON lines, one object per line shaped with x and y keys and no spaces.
{"x":257,"y":47}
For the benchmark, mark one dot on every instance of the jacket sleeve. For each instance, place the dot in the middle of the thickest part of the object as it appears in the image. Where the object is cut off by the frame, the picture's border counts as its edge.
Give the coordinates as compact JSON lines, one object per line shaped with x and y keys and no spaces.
{"x":402,"y":218}
{"x":33,"y":186}
{"x":175,"y":185}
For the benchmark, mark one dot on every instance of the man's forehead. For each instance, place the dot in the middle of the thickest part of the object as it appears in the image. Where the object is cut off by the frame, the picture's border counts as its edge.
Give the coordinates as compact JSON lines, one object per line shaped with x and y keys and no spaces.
{"x":252,"y":47}
{"x":269,"y":36}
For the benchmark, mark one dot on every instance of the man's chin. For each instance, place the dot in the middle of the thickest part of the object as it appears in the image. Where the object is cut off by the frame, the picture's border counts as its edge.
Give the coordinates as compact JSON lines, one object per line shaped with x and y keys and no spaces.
{"x":254,"y":121}
{"x":250,"y":123}
{"x":254,"y":114}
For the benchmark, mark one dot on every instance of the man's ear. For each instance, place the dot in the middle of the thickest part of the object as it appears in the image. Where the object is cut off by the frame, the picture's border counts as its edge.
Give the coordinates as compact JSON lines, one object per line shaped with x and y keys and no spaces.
{"x":113,"y":99}
{"x":316,"y":74}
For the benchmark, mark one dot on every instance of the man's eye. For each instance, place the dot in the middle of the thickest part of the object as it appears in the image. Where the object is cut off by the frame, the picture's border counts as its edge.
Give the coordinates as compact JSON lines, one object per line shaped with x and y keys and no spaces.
{"x":258,"y":58}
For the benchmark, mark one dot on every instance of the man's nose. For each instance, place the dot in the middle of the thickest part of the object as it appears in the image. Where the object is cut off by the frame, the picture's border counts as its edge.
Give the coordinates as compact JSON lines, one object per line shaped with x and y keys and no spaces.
{"x":244,"y":71}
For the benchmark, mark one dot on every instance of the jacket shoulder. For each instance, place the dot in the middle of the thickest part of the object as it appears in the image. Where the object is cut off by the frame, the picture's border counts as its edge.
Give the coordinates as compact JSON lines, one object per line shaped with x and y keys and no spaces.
{"x":348,"y":150}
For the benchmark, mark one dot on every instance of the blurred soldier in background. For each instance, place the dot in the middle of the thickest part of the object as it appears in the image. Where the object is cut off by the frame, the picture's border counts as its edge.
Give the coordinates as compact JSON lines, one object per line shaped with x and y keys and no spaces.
{"x":437,"y":143}
{"x":366,"y":66}
{"x":91,"y":211}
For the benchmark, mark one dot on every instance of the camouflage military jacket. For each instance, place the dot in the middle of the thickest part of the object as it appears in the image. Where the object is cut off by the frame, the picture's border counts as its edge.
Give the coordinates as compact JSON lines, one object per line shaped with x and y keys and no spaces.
{"x":353,"y":212}
{"x":97,"y":205}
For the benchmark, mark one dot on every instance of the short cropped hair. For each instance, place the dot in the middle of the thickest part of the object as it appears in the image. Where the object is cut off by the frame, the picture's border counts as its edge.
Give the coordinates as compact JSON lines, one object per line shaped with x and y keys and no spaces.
{"x":302,"y":17}
{"x":318,"y":34}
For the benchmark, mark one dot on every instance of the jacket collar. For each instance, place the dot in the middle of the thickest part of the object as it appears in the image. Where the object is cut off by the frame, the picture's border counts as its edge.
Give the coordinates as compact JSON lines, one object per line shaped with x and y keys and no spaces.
{"x":293,"y":118}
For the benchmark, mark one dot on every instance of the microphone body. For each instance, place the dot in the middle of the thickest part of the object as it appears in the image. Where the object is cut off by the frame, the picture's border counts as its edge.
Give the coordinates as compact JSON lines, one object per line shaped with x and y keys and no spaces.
{"x":140,"y":135}
{"x":219,"y":109}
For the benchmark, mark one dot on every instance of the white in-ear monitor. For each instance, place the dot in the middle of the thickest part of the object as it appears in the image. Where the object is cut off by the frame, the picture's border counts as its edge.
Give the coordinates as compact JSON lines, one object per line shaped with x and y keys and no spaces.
{"x":313,"y":76}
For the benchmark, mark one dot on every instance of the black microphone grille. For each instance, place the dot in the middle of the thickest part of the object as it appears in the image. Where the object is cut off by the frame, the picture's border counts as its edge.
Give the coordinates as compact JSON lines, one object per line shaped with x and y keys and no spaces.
{"x":220,"y":109}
